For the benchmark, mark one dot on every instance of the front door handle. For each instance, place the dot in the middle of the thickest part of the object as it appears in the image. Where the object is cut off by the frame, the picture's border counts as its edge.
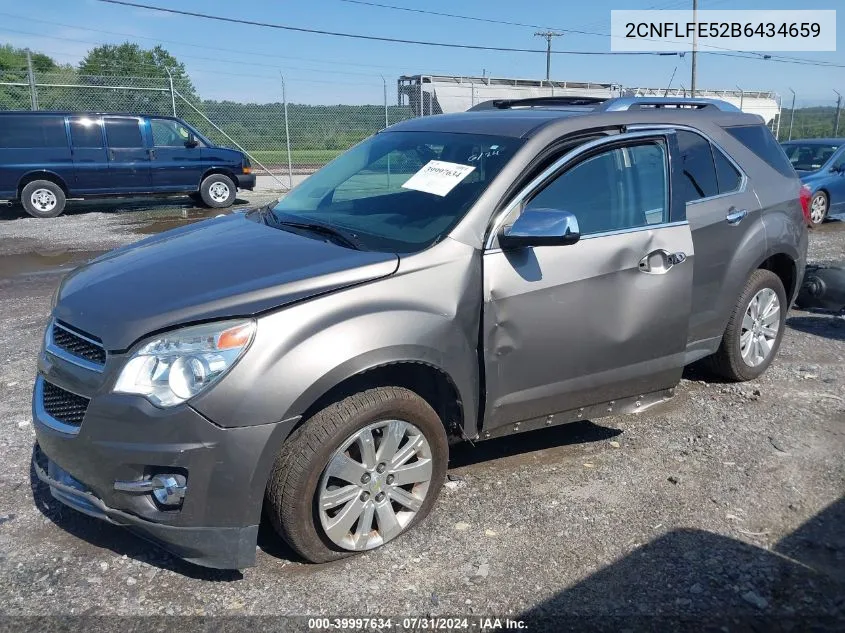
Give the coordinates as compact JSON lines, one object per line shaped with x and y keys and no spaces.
{"x":659,"y":262}
{"x":734,"y":217}
{"x":152,"y":154}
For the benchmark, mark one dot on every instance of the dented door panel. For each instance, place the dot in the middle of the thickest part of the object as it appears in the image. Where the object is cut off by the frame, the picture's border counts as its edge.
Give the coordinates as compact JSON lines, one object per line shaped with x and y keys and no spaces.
{"x":570,"y":326}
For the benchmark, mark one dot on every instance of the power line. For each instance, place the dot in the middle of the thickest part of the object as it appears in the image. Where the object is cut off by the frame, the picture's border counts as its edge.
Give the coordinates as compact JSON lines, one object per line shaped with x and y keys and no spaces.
{"x":374,"y":38}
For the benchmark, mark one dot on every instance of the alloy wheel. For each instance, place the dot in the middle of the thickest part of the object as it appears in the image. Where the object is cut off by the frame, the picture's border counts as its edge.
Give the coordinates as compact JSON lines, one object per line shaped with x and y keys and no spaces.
{"x":818,"y":209}
{"x":760,"y":326}
{"x":374,"y":485}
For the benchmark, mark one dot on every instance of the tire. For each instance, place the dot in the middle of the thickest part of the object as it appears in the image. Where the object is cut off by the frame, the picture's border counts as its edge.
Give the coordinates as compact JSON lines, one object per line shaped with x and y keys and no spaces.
{"x":819,"y":206}
{"x":43,"y":199}
{"x":300,"y":477}
{"x":729,"y":362}
{"x":218,"y":191}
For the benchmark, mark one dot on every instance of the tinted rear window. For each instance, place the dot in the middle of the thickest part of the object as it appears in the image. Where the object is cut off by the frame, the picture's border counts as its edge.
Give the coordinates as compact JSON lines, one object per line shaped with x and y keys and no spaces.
{"x":32,"y":131}
{"x":729,"y":178}
{"x":123,"y":133}
{"x":85,"y":132}
{"x":699,"y":174}
{"x":759,"y":140}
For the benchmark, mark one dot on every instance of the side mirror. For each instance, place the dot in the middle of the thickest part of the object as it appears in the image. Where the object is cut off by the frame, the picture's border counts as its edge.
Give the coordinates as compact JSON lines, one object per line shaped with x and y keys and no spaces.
{"x":837,"y":169}
{"x":191,"y":142}
{"x":541,"y":227}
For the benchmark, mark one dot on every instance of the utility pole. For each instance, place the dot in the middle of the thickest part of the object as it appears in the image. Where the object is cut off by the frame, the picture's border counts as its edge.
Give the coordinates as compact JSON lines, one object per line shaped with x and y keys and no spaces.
{"x":694,"y":46}
{"x":836,"y":121}
{"x":33,"y":93}
{"x":791,"y":114}
{"x":548,"y":35}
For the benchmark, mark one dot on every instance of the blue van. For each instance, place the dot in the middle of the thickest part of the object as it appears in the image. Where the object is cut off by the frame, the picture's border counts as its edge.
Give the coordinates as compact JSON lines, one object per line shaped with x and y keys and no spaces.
{"x":48,"y":157}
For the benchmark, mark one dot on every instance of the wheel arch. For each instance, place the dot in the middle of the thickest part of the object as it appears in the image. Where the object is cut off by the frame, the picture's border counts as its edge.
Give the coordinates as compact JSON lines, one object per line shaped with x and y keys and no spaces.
{"x":43,"y":174}
{"x":786,"y":268}
{"x":224,"y":171}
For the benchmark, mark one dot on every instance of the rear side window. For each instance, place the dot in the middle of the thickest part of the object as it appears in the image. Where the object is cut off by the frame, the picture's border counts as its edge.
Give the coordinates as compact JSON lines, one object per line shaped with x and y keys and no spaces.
{"x":699,"y":174}
{"x":32,"y":131}
{"x":621,"y":188}
{"x":759,"y":140}
{"x":123,"y":133}
{"x":85,"y":132}
{"x":727,"y":175}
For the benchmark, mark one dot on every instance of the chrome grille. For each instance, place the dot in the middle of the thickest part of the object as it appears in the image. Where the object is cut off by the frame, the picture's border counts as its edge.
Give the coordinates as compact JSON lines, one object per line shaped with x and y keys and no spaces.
{"x":63,"y":405}
{"x":77,"y":343}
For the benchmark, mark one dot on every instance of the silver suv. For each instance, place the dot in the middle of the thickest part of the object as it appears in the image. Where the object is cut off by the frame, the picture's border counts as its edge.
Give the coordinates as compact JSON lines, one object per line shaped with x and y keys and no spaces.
{"x":460,"y":277}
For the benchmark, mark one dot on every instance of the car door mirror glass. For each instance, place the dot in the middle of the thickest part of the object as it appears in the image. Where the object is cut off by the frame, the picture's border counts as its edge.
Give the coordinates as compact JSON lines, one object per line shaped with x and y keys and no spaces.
{"x":541,"y":227}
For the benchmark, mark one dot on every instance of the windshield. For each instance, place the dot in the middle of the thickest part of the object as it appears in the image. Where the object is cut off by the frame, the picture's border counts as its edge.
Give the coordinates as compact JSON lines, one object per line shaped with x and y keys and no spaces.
{"x":809,"y":156}
{"x":400,"y":191}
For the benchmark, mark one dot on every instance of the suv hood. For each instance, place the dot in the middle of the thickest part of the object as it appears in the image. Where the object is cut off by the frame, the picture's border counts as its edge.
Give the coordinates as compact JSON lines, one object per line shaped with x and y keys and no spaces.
{"x":225,"y":267}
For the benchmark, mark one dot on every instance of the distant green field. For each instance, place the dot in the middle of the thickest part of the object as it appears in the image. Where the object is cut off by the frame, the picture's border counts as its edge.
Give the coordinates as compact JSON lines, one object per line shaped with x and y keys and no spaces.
{"x":298,"y":156}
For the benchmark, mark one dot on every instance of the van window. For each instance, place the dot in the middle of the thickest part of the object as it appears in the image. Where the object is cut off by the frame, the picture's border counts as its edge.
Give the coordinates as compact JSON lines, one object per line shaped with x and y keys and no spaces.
{"x":169,"y":133}
{"x":123,"y":133}
{"x":85,"y":132}
{"x":759,"y":140}
{"x":32,"y":131}
{"x":699,"y":174}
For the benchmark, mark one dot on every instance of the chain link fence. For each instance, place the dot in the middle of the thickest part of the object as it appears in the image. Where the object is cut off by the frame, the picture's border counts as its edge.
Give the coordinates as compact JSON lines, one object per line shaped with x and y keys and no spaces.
{"x":283,"y":140}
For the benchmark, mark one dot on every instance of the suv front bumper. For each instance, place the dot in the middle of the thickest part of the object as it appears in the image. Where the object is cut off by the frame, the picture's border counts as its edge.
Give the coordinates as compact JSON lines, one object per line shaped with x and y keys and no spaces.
{"x":245,"y":181}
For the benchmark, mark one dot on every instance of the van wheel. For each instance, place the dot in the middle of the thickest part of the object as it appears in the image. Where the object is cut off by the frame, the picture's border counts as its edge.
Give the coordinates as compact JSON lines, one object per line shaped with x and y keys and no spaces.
{"x":358,"y":474}
{"x":43,"y":199}
{"x":755,"y":329}
{"x":218,"y":191}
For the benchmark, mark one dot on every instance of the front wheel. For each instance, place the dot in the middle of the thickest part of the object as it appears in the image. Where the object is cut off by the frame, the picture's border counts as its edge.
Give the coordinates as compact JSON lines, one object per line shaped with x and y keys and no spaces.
{"x":818,"y":208}
{"x":218,"y":191}
{"x":755,"y":329}
{"x":358,"y":474}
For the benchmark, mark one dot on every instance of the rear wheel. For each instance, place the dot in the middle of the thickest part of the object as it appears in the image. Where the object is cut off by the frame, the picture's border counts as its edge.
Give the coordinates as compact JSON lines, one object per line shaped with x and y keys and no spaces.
{"x":818,"y":208}
{"x":43,"y":199}
{"x":358,"y":474}
{"x":755,"y":329}
{"x":218,"y":191}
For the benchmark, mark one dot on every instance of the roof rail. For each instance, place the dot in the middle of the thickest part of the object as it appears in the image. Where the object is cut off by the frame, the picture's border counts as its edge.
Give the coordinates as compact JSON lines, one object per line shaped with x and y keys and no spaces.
{"x":506,"y":104}
{"x":635,"y":103}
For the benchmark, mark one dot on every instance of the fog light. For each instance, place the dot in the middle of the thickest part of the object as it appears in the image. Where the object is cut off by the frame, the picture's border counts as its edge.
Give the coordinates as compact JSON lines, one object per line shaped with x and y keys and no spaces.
{"x":169,"y":490}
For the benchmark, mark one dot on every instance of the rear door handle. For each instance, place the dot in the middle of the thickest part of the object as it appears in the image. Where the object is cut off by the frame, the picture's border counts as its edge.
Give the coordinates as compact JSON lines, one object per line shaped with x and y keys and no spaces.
{"x":734,"y":217}
{"x":659,"y":262}
{"x":152,"y":154}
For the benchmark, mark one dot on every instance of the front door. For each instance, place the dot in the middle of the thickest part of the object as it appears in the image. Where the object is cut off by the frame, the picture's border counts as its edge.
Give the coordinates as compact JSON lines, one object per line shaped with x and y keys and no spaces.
{"x":176,"y":162}
{"x":129,"y":157}
{"x":836,"y":183}
{"x":604,"y":318}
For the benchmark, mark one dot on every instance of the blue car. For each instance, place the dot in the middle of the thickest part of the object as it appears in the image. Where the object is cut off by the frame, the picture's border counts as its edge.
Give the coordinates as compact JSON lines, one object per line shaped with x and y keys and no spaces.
{"x":48,"y":157}
{"x":820,"y":162}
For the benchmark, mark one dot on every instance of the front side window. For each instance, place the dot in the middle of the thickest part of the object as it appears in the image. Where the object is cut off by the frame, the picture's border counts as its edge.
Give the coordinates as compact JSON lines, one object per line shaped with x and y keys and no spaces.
{"x":169,"y":133}
{"x":123,"y":133}
{"x":698,"y":172}
{"x":621,"y":188}
{"x":400,"y":191}
{"x":809,"y":156}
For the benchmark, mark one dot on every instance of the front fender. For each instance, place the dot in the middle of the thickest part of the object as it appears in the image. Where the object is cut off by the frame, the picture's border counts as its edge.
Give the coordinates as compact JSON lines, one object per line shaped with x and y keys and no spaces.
{"x":427,"y":312}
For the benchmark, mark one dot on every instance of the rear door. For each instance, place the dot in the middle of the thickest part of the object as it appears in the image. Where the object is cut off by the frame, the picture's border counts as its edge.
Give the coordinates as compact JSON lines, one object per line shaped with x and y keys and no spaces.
{"x":565,"y":327}
{"x":724,"y":216}
{"x":129,"y":157}
{"x":90,"y":159}
{"x":175,"y":164}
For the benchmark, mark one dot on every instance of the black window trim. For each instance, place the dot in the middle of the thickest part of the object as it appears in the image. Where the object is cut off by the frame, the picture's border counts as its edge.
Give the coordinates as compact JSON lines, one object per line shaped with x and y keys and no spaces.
{"x":743,"y":184}
{"x":571,"y":159}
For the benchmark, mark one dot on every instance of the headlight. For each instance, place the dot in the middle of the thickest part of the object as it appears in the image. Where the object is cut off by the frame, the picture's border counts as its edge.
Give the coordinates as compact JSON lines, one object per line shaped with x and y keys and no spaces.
{"x":170,"y":368}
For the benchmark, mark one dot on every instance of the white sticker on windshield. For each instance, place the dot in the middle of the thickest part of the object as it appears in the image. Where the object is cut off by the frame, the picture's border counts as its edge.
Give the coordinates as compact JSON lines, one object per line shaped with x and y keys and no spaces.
{"x":438,"y":177}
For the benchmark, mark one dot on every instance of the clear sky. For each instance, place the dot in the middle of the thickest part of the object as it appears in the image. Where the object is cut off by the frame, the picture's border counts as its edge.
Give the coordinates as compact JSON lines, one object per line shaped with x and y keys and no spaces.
{"x":325,"y":69}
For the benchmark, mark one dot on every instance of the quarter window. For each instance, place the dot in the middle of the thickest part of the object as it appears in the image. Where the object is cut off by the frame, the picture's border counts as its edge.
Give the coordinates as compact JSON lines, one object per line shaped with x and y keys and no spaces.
{"x":123,"y":133}
{"x":622,"y":188}
{"x":727,"y":175}
{"x":759,"y":140}
{"x":30,"y":131}
{"x":699,"y":174}
{"x":85,"y":132}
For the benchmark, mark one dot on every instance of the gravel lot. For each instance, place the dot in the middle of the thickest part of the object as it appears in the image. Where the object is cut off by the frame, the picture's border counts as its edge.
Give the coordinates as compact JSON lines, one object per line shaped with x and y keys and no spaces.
{"x":727,"y":502}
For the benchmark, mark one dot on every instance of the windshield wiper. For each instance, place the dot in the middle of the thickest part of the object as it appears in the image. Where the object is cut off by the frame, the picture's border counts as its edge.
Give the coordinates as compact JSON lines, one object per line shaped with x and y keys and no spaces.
{"x":345,"y":238}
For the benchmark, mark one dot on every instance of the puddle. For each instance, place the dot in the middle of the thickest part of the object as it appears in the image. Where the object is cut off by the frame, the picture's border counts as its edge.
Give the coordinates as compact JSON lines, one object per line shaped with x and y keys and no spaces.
{"x":43,"y":263}
{"x":159,"y":222}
